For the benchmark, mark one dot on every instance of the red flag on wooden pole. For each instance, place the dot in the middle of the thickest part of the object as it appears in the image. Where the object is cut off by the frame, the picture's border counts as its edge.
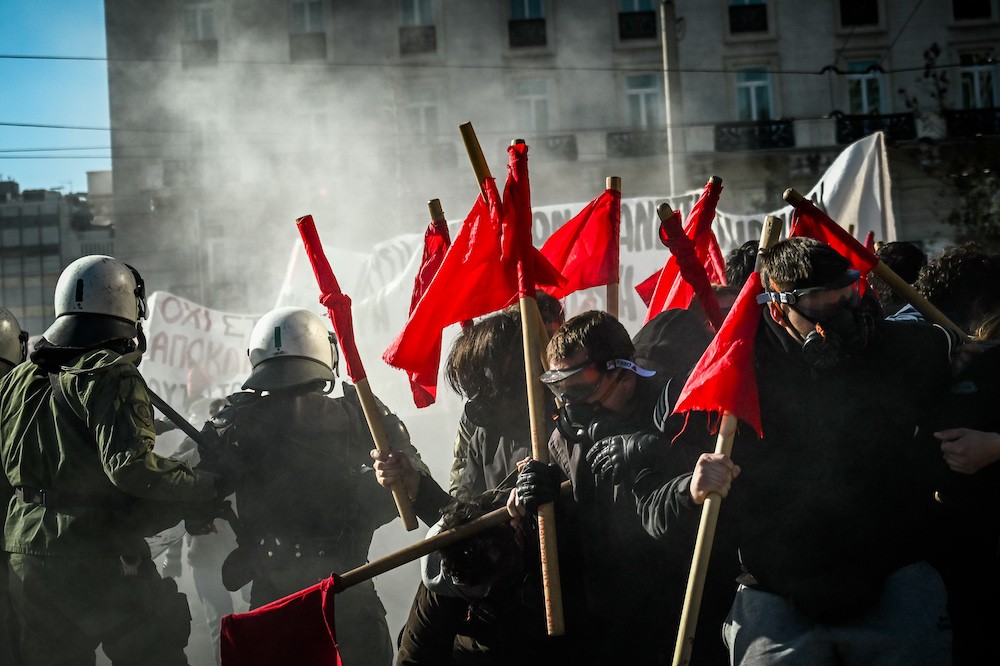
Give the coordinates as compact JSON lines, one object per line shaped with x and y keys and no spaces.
{"x":423,"y":382}
{"x":585,"y":250}
{"x":338,"y":305}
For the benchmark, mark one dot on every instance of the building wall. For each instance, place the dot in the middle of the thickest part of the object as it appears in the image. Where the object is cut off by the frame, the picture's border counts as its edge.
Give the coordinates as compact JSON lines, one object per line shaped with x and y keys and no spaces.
{"x":219,"y":144}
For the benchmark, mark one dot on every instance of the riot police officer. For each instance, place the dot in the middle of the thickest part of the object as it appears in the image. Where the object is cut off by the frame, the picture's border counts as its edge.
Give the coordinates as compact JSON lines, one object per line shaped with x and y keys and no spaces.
{"x":306,"y":502}
{"x":77,"y":447}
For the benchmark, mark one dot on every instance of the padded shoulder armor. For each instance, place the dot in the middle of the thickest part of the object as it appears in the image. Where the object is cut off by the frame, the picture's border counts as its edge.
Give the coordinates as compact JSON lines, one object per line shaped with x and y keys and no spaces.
{"x":395,"y":429}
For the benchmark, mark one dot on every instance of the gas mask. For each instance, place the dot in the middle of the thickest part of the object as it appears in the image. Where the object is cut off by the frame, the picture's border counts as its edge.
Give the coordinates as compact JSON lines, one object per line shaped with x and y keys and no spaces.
{"x":844,"y":333}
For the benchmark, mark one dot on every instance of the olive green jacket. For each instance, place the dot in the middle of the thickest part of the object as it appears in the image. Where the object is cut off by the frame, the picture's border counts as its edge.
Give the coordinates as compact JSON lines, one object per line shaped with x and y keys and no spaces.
{"x":96,"y":444}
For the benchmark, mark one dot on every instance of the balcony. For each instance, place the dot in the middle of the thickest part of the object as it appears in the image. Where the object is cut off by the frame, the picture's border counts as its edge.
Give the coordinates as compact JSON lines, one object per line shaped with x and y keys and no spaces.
{"x":200,"y":54}
{"x":897,"y":126}
{"x":637,"y":143}
{"x":967,"y":123}
{"x":745,"y":19}
{"x":417,"y":39}
{"x":762,"y":135}
{"x":636,"y":25}
{"x":526,"y":32}
{"x":307,"y":46}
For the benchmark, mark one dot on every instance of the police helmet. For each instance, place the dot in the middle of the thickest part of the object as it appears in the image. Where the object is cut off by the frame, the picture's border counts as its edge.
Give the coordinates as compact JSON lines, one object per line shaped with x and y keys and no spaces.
{"x":13,"y":342}
{"x":290,"y":347}
{"x":98,"y":298}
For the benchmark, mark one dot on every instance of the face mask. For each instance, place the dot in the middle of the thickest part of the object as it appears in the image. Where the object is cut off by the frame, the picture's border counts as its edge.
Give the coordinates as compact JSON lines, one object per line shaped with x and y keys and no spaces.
{"x":844,"y":333}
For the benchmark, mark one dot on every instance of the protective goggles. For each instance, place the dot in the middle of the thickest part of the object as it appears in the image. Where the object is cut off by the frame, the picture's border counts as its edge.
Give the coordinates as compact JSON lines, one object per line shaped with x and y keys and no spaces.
{"x":581,"y":391}
{"x":810,"y":302}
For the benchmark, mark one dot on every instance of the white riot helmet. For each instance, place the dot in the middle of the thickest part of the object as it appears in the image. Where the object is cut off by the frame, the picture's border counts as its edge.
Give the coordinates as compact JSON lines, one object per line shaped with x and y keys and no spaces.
{"x":290,"y":347}
{"x":98,"y":298}
{"x":13,"y":342}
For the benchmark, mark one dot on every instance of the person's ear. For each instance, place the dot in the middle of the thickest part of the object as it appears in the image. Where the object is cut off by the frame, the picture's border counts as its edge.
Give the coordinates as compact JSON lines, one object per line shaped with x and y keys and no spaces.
{"x":777,"y":314}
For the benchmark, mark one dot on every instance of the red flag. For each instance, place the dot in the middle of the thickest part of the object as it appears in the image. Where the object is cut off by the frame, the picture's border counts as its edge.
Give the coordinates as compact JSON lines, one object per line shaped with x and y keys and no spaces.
{"x":473,"y":279}
{"x":298,"y":629}
{"x":423,"y":385}
{"x":724,"y":380}
{"x":716,"y":267}
{"x":646,"y":288}
{"x":338,"y":304}
{"x":585,"y":249}
{"x":811,"y":222}
{"x":672,"y":290}
{"x":870,"y":241}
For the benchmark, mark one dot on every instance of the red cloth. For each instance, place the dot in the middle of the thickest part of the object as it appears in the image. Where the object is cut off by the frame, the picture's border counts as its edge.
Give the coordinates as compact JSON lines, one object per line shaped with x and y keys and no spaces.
{"x":646,"y":288}
{"x":423,"y":384}
{"x":585,"y":249}
{"x":672,"y":290}
{"x":811,"y":222}
{"x":336,"y":302}
{"x":473,"y":279}
{"x":716,"y":267}
{"x":298,"y":629}
{"x":724,"y":379}
{"x":691,"y":273}
{"x":870,"y":241}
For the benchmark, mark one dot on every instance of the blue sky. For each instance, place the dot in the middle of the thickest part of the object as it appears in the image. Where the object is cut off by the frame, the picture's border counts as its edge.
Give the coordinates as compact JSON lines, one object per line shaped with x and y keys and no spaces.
{"x":53,"y":92}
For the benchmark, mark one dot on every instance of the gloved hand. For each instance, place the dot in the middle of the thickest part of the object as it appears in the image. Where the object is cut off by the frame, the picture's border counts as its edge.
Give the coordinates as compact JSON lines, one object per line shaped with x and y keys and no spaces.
{"x":537,"y":484}
{"x":614,"y":458}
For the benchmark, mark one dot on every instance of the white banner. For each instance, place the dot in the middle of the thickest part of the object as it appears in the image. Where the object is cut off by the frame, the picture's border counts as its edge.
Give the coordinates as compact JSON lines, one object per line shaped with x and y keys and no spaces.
{"x":191,"y":345}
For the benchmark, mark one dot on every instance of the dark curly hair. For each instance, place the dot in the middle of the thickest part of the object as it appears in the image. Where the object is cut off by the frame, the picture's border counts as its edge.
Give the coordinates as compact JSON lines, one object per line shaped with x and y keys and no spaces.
{"x":740,"y":264}
{"x":487,"y":357}
{"x":905,"y":259}
{"x":963,"y":282}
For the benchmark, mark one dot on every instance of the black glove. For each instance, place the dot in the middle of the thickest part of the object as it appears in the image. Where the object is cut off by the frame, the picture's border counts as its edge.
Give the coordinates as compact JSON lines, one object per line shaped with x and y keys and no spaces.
{"x":615,"y":458}
{"x":537,"y":484}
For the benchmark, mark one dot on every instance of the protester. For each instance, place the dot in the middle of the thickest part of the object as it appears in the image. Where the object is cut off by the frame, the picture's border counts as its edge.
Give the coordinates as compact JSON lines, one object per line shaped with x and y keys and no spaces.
{"x":77,"y":446}
{"x":480,"y":600}
{"x":962,"y":283}
{"x":905,"y":260}
{"x":831,"y":510}
{"x":306,"y":504}
{"x":486,"y":364}
{"x":615,"y":422}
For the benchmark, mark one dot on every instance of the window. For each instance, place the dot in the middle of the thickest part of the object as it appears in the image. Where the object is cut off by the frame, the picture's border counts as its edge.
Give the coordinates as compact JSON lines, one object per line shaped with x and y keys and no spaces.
{"x":747,"y":16}
{"x":864,"y":87}
{"x":636,"y":19}
{"x":307,"y":16}
{"x":532,"y":105}
{"x":976,"y":72}
{"x":971,"y":10}
{"x":417,"y":12}
{"x":857,"y":13}
{"x":199,"y":21}
{"x":753,"y":94}
{"x":525,"y":10}
{"x":416,"y":30}
{"x":644,"y":100}
{"x":527,"y":23}
{"x":422,"y":114}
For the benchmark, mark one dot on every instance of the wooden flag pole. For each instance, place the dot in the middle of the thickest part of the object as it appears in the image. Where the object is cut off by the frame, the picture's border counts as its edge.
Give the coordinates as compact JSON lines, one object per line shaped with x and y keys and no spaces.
{"x":437,"y":213}
{"x":429,"y":545}
{"x":710,"y":511}
{"x":613,"y":183}
{"x":903,"y":288}
{"x":530,"y":329}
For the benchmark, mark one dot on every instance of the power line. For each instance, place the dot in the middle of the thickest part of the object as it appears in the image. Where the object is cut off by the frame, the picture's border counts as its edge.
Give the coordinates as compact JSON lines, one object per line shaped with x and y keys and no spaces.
{"x":634,"y":67}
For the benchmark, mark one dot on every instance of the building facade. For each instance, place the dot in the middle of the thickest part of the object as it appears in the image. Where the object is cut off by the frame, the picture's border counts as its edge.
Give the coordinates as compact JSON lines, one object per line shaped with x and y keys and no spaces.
{"x":42,"y":232}
{"x":231,"y":119}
